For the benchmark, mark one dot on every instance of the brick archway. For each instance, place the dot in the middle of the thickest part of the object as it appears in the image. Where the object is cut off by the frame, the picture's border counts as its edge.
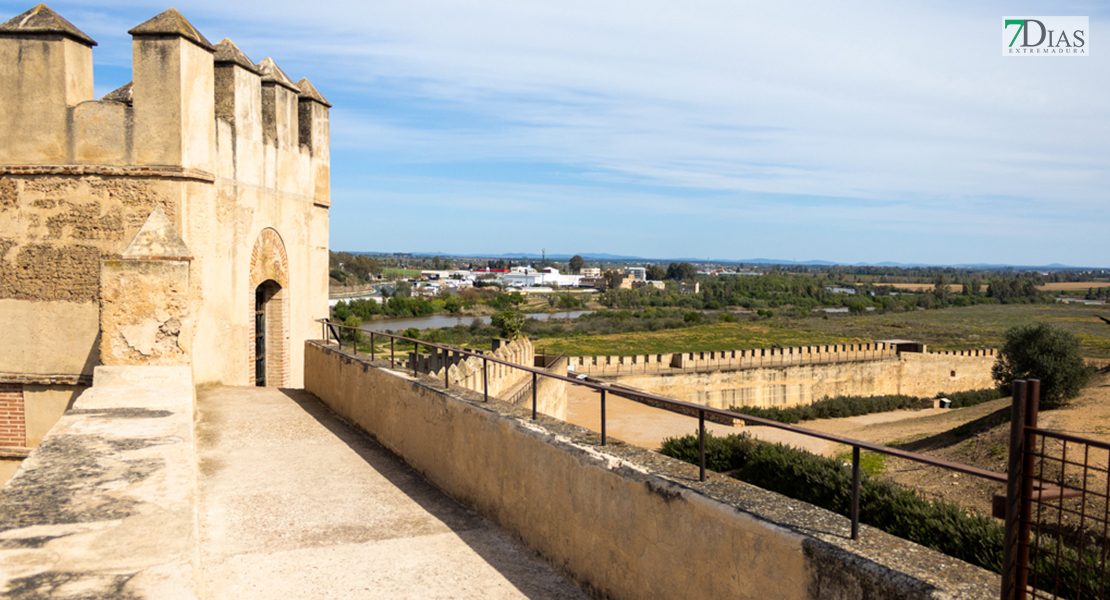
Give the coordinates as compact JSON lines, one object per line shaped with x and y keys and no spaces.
{"x":268,"y":304}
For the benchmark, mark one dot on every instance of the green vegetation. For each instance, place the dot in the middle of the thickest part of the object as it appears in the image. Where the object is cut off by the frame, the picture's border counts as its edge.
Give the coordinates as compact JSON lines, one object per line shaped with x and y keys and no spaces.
{"x":968,"y":328}
{"x":508,"y":322}
{"x":943,"y":526}
{"x":801,"y":294}
{"x":702,"y":338}
{"x":1042,"y":351}
{"x":854,"y":406}
{"x":871,"y":463}
{"x":826,"y":482}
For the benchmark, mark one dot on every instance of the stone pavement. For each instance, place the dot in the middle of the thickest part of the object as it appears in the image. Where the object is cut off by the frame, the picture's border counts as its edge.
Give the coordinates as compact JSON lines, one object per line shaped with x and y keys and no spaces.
{"x":294,"y":503}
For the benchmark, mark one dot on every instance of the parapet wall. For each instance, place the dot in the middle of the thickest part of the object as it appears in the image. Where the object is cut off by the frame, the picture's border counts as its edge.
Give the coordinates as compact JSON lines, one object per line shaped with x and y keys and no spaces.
{"x":784,"y":384}
{"x":623,"y":521}
{"x":467,"y":372}
{"x":730,"y":359}
{"x":193,"y":110}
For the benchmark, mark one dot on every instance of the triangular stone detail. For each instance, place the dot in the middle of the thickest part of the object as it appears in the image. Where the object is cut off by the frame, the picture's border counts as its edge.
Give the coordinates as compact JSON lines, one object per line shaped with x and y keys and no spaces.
{"x":227,"y":52}
{"x":158,"y":238}
{"x":41,"y":19}
{"x":121,"y":94}
{"x":309,"y":92}
{"x":172,"y":23}
{"x":271,"y":73}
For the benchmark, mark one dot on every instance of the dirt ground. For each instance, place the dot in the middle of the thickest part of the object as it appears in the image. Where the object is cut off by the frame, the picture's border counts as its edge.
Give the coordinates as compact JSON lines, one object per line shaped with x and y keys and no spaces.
{"x":977,"y":435}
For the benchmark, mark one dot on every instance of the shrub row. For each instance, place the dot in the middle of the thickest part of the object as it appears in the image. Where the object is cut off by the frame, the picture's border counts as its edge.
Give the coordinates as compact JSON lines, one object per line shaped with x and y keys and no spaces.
{"x":972,"y":397}
{"x":854,"y":406}
{"x":826,"y":483}
{"x":942,"y":526}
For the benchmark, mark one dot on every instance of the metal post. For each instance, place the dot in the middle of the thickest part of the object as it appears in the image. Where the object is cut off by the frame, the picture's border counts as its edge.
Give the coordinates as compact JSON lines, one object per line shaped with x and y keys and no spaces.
{"x":415,"y":357}
{"x":446,"y":370}
{"x":1013,"y":490}
{"x":701,"y":445}
{"x":485,"y":380}
{"x":1032,"y":399}
{"x":855,"y":492}
{"x":602,"y":417}
{"x":371,"y":344}
{"x":533,"y":396}
{"x":391,"y":353}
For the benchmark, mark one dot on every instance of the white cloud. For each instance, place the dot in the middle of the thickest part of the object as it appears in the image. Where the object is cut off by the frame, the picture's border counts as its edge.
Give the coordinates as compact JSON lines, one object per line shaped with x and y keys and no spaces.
{"x":897,"y":116}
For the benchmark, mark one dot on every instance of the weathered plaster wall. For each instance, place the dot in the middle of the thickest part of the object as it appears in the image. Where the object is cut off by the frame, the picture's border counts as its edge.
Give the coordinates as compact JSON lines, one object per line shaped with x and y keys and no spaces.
{"x":551,"y":394}
{"x":910,"y":373}
{"x":44,"y":405}
{"x":626,"y":522}
{"x":48,"y":338}
{"x":145,"y":315}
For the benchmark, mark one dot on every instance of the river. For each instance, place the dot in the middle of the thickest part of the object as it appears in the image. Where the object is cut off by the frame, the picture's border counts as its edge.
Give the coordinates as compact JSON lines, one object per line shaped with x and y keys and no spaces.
{"x":437,"y":321}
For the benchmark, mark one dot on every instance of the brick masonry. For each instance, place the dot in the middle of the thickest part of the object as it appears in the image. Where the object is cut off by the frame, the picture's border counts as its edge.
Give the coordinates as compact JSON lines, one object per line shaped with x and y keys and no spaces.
{"x":13,"y":426}
{"x":269,"y":262}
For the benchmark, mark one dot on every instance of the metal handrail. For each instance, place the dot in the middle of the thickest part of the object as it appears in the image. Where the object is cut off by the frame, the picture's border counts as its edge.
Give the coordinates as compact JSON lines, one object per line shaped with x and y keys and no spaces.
{"x":856,"y":445}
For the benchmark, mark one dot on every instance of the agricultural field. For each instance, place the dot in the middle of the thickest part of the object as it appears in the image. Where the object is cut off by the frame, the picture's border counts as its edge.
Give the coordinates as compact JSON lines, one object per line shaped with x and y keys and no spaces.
{"x":967,"y":328}
{"x":1073,"y":285}
{"x":702,"y":338}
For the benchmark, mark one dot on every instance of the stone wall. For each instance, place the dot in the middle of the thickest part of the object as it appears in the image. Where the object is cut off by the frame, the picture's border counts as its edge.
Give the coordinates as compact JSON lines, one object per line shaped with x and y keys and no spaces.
{"x":623,"y":521}
{"x":909,"y":373}
{"x":730,"y":359}
{"x":232,"y":153}
{"x":498,"y":379}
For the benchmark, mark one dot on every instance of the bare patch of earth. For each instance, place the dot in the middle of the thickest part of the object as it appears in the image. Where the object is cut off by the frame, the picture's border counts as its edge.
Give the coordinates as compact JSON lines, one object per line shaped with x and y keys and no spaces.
{"x":977,"y":436}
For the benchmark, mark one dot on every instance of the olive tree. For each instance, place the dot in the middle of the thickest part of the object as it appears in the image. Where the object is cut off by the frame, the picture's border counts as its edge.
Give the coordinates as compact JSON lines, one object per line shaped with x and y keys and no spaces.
{"x":1045,"y":352}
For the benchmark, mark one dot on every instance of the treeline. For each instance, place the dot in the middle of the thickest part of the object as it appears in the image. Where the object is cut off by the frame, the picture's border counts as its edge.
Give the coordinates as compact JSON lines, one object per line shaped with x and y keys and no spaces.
{"x":799,"y":295}
{"x":854,"y":406}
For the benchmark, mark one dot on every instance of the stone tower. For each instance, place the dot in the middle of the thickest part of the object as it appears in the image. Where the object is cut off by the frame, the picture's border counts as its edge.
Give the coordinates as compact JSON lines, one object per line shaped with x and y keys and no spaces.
{"x":181,"y":219}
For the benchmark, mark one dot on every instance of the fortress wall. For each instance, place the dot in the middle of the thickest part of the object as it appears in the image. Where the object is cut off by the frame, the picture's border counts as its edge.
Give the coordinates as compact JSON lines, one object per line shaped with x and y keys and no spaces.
{"x":911,"y":373}
{"x":730,"y":359}
{"x":926,"y":374}
{"x":498,"y":378}
{"x":616,"y":517}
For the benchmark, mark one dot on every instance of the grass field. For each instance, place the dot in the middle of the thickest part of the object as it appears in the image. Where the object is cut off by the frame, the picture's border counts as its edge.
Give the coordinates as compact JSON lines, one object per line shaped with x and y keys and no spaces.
{"x":389,"y":272}
{"x":920,"y":287}
{"x":1073,"y":285}
{"x":704,"y":338}
{"x":966,"y":328}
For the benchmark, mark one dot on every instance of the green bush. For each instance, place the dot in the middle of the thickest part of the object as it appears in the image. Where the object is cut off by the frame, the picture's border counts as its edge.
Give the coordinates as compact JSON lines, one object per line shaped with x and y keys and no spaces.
{"x":826,"y":482}
{"x":1044,"y":352}
{"x":942,"y":526}
{"x":831,"y":408}
{"x":854,"y":406}
{"x":973,"y":397}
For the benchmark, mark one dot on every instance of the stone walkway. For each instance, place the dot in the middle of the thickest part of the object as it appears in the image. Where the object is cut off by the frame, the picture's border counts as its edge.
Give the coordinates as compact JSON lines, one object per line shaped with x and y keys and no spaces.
{"x":296,"y":504}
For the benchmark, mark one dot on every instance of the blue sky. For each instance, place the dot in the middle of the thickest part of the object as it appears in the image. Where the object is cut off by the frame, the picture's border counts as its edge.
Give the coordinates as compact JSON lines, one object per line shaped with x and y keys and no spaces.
{"x":850,"y":131}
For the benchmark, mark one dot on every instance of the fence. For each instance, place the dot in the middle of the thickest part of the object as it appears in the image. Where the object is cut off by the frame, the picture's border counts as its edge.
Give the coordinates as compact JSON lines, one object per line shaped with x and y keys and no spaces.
{"x":1067,"y":560}
{"x":1056,"y":509}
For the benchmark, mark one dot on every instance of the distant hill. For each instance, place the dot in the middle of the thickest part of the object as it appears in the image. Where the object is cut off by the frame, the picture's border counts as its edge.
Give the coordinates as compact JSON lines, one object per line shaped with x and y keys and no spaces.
{"x":603,"y":257}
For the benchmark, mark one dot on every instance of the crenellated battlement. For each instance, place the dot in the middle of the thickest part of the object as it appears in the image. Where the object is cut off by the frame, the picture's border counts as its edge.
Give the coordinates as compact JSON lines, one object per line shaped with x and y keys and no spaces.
{"x":750,"y":359}
{"x":204,"y":145}
{"x":193,"y":106}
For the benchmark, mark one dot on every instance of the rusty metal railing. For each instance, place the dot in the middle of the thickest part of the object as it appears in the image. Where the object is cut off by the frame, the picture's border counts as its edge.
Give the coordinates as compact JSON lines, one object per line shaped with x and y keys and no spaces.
{"x":333,"y":330}
{"x":1057,"y":509}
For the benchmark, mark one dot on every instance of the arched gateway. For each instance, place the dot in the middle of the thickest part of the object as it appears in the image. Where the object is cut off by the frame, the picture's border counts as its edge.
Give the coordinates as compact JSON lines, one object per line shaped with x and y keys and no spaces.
{"x":269,"y":327}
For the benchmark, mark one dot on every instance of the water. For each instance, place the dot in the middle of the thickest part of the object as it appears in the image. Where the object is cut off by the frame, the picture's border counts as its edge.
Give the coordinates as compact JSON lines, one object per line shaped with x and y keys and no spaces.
{"x":437,"y":321}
